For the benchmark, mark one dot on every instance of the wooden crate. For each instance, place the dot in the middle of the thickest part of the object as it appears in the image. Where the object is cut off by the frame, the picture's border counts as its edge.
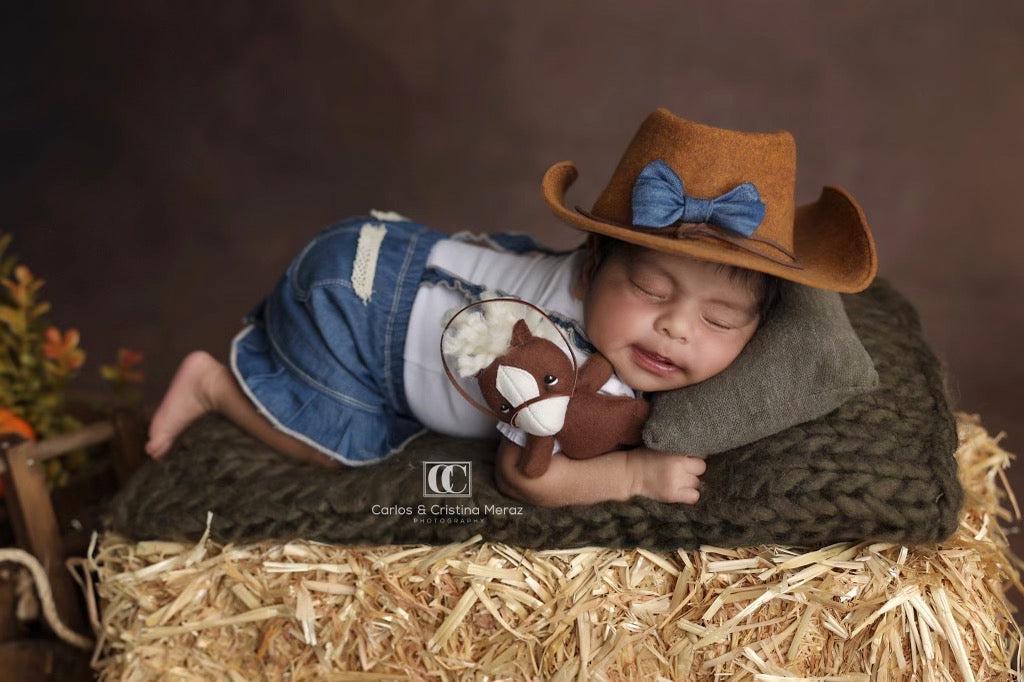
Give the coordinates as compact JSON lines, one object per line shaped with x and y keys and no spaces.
{"x":30,"y":505}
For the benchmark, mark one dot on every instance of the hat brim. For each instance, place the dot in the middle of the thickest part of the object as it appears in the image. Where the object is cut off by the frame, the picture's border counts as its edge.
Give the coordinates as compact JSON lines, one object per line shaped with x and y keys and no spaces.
{"x":832,"y":241}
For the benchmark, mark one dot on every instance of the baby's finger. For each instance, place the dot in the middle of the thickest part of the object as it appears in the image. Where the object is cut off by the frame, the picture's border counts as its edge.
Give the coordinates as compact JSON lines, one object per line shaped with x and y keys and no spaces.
{"x":689,"y":494}
{"x":690,"y":482}
{"x":696,"y":465}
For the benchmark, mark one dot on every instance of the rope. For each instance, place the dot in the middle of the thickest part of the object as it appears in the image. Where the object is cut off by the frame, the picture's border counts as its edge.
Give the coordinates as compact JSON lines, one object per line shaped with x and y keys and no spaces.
{"x":20,"y":556}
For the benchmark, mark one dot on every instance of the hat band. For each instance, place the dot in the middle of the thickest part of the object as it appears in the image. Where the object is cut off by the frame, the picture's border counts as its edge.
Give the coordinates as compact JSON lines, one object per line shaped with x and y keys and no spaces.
{"x":695,"y":230}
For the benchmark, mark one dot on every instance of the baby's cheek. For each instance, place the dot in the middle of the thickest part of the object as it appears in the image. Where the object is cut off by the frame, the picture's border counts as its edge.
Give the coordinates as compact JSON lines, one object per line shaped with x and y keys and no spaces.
{"x":620,"y":320}
{"x":722,"y":353}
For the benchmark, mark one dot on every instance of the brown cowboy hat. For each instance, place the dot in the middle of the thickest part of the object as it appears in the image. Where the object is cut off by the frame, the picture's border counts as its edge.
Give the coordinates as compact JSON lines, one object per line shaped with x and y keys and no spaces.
{"x":724,"y":196}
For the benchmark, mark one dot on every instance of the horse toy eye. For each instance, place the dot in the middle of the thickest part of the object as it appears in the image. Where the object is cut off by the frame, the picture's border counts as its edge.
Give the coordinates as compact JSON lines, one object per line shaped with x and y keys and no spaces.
{"x":505,"y":407}
{"x":550,"y":379}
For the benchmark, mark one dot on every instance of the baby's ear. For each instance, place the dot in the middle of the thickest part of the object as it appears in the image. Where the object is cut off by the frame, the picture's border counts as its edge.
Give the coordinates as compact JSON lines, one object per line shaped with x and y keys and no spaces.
{"x":594,"y":250}
{"x":582,"y":278}
{"x":578,"y":289}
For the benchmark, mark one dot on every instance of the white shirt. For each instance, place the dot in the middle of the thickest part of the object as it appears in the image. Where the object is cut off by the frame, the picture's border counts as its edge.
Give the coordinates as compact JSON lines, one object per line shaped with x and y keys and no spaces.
{"x":539,"y":278}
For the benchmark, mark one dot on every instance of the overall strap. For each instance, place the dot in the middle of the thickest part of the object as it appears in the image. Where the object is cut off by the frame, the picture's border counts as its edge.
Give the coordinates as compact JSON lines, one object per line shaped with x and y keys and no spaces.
{"x":473,"y":292}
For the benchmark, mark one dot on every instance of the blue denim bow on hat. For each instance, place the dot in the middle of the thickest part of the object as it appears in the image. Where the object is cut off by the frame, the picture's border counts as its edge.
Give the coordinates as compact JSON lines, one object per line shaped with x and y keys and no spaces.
{"x":659,"y":200}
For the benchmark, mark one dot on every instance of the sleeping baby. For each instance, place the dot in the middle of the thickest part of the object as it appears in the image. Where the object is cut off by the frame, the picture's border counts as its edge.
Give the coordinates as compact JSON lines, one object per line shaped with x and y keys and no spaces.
{"x":340,"y":364}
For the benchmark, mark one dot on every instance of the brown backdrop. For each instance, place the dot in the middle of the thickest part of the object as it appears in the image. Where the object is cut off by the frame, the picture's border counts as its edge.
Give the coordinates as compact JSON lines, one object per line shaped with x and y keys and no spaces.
{"x":162,"y":166}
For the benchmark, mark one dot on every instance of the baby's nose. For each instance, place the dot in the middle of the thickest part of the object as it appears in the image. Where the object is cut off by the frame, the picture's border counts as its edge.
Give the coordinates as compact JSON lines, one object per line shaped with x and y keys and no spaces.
{"x":675,"y":329}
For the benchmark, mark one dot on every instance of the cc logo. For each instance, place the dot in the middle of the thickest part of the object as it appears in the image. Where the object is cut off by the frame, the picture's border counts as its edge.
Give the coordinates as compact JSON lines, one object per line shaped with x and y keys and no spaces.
{"x":447,"y":479}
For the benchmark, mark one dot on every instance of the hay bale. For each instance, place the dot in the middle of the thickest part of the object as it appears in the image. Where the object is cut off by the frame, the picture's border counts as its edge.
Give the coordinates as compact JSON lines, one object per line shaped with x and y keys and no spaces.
{"x":850,"y":611}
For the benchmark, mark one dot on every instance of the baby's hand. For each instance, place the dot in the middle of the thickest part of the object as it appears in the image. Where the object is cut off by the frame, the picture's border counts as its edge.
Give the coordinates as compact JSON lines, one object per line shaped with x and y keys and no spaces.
{"x":666,"y":476}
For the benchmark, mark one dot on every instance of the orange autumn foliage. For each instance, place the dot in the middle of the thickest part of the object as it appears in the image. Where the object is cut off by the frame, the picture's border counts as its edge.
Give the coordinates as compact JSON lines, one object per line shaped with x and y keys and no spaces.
{"x":63,"y":348}
{"x":12,"y":423}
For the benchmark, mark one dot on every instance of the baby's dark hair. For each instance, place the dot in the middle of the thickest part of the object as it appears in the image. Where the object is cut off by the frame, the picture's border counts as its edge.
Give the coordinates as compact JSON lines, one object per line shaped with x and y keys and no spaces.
{"x":598,"y":247}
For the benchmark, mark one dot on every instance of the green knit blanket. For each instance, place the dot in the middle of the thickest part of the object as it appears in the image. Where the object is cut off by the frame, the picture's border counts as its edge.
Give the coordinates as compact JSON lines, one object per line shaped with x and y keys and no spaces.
{"x":880,"y":467}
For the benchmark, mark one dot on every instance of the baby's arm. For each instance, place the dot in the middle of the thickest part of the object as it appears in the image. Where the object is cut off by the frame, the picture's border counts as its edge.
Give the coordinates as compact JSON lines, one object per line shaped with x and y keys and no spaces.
{"x":617,"y":475}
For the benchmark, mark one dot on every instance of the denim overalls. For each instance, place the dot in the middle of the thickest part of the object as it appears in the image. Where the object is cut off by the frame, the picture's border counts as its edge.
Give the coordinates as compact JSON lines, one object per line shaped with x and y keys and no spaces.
{"x":321,"y":356}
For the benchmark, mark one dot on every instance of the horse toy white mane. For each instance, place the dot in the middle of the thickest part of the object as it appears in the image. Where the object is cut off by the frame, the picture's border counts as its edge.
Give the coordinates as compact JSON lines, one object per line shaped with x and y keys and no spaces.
{"x":479,"y":336}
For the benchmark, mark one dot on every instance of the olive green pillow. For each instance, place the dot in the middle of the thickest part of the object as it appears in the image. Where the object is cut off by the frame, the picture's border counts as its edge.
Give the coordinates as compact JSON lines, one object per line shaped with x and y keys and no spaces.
{"x":804,"y":361}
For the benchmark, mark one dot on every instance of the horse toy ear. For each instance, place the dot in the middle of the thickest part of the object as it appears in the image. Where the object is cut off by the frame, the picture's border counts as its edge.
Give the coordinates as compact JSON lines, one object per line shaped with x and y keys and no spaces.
{"x":520,"y":333}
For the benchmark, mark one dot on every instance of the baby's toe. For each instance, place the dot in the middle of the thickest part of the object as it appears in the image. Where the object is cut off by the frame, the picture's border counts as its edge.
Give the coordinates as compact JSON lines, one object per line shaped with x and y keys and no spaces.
{"x":157,"y":446}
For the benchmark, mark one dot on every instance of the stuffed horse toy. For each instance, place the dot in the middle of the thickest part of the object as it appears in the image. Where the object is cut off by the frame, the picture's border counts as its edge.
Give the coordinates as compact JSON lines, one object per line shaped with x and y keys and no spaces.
{"x":534,"y":385}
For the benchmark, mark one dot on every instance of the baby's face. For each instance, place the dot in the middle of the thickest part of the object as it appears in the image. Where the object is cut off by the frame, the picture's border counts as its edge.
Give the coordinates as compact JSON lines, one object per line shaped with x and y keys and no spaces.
{"x":670,"y":305}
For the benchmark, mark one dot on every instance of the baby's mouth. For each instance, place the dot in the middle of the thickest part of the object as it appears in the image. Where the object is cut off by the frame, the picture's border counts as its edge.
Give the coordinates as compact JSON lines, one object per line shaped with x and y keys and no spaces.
{"x":652,"y":362}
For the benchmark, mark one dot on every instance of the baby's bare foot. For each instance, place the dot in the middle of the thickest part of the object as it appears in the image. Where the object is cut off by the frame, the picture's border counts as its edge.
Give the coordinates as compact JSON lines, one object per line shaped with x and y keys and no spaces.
{"x":188,"y":398}
{"x":666,"y":476}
